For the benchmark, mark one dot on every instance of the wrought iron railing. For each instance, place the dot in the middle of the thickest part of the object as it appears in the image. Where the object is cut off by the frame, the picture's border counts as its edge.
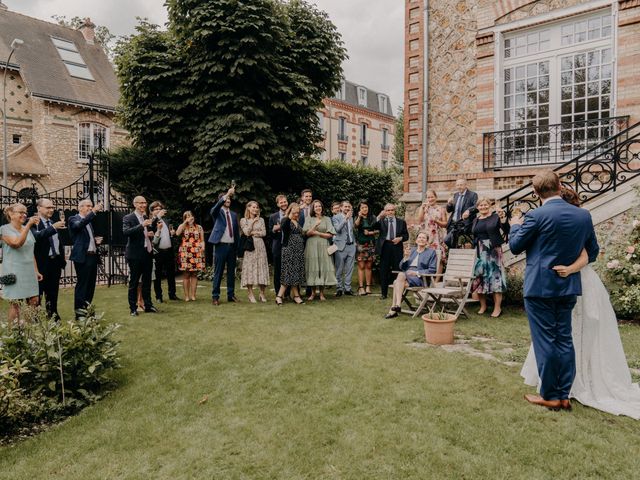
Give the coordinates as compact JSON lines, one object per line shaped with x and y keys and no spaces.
{"x":598,"y":170}
{"x":548,"y":144}
{"x":343,"y":137}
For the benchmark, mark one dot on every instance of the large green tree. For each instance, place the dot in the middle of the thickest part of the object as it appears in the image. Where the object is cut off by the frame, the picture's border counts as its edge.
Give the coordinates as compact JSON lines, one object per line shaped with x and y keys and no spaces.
{"x":230,"y":90}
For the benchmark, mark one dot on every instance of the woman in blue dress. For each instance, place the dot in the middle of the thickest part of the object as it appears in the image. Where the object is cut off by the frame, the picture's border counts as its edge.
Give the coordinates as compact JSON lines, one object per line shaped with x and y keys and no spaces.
{"x":17,"y":259}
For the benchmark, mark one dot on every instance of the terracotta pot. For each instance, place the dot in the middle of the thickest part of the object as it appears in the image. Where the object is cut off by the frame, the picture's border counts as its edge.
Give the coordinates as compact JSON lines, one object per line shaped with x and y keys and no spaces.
{"x":436,"y":331}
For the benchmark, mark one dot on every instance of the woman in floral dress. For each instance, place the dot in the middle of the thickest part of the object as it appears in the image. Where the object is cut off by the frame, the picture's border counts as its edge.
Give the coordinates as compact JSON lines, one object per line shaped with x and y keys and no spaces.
{"x":292,"y":275}
{"x":365,"y":247}
{"x":489,"y":232}
{"x":190,"y":254}
{"x":432,"y":219}
{"x":255,"y":268}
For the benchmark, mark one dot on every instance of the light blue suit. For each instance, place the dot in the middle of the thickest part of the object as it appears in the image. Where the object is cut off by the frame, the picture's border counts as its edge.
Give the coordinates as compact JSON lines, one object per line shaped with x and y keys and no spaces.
{"x":553,"y":234}
{"x":345,"y":256}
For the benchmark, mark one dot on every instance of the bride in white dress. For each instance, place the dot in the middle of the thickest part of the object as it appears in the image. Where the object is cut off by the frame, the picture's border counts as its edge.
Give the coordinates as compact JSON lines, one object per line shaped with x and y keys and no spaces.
{"x":603,"y":380}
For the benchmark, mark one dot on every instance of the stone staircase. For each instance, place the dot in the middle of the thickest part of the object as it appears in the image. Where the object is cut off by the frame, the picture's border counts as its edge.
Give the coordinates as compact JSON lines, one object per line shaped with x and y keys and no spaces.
{"x":603,"y":209}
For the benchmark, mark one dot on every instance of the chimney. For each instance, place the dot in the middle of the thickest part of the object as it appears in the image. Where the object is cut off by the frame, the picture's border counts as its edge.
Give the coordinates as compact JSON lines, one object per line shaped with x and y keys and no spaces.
{"x":3,"y":6}
{"x":88,"y":30}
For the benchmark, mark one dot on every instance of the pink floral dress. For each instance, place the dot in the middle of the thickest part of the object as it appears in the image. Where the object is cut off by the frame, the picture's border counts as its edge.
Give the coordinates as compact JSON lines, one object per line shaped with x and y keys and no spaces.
{"x":435,"y":232}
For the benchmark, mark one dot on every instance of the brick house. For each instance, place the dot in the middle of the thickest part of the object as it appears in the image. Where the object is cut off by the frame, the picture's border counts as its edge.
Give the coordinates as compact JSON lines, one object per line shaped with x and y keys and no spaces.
{"x":514,"y":86}
{"x":61,"y":95}
{"x":358,"y":126}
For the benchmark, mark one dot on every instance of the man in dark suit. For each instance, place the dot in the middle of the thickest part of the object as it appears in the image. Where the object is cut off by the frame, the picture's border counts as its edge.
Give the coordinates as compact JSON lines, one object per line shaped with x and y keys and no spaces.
{"x":462,"y":207}
{"x":225,"y":238}
{"x":137,"y":227}
{"x":306,"y":197}
{"x":393,"y":231}
{"x":163,"y":252}
{"x":49,"y":253}
{"x":276,"y":238}
{"x":552,"y":235}
{"x":84,"y":252}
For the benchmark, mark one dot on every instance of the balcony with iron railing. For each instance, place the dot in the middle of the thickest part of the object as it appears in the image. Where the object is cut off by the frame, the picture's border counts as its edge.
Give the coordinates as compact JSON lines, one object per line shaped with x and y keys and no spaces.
{"x":547,"y":145}
{"x":343,"y":138}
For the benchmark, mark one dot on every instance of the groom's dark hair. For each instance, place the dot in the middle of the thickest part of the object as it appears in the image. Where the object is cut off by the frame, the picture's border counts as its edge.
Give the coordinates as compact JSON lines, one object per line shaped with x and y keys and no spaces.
{"x":546,"y":184}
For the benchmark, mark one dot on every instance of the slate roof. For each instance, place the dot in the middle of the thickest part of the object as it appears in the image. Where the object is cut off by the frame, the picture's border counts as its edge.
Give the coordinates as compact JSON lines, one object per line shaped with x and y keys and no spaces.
{"x":42,"y":69}
{"x":351,"y":97}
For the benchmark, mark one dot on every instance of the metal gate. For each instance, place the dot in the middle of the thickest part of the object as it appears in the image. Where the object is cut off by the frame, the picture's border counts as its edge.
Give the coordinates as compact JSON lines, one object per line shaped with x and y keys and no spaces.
{"x":94,"y":184}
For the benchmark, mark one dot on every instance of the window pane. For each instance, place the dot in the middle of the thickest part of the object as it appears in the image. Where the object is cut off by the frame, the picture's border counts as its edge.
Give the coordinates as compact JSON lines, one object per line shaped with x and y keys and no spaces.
{"x":566,"y":93}
{"x":543,"y":96}
{"x":579,"y":60}
{"x":80,"y":72}
{"x":544,"y":68}
{"x":71,"y":56}
{"x":532,"y":84}
{"x":508,"y":88}
{"x":64,"y":44}
{"x":507,"y":74}
{"x":520,"y":71}
{"x":544,"y":81}
{"x":593,"y":73}
{"x":567,"y":63}
{"x":520,"y":86}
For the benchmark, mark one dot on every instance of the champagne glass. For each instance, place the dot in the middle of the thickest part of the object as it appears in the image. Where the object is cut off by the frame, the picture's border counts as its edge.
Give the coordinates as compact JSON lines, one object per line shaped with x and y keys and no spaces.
{"x":61,"y":215}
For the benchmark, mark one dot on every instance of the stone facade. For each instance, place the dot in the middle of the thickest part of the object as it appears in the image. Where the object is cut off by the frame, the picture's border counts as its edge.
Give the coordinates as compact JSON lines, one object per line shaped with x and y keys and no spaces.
{"x":463,"y":82}
{"x":53,"y":131}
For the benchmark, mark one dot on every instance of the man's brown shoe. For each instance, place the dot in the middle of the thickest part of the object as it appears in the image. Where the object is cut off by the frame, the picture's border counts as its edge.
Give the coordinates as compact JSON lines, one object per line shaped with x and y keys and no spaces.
{"x":538,"y":400}
{"x":215,"y":301}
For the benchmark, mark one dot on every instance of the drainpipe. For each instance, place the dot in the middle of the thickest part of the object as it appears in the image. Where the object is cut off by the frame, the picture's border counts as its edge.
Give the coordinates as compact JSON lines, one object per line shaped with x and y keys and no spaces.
{"x":425,"y":113}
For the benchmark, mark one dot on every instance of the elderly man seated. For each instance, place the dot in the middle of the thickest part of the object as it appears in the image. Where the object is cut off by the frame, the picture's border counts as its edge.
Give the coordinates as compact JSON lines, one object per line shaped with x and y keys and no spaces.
{"x":416,"y":261}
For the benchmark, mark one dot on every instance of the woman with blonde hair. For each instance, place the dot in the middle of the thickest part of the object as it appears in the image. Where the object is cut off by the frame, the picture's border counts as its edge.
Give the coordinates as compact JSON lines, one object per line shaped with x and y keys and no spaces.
{"x":18,"y":260}
{"x":490,"y":229}
{"x":190,"y":254}
{"x":255,"y":267}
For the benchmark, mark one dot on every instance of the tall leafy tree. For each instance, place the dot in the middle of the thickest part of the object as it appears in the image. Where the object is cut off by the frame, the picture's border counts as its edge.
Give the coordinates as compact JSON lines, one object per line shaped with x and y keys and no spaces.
{"x":398,"y":142}
{"x":230,"y":90}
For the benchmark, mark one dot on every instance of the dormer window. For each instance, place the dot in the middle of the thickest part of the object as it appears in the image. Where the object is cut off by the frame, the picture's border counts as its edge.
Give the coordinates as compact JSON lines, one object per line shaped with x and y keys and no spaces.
{"x":342,"y":93}
{"x":362,"y":96}
{"x":76,"y":66}
{"x":382,"y":103}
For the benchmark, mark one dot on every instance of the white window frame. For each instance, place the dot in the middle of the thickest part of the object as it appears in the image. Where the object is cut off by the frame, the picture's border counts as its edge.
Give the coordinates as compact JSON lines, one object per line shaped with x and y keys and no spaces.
{"x":382,"y":103}
{"x":362,"y":96}
{"x":92,"y":131}
{"x":342,"y":128}
{"x":554,"y":20}
{"x":385,"y":138}
{"x":363,"y":134}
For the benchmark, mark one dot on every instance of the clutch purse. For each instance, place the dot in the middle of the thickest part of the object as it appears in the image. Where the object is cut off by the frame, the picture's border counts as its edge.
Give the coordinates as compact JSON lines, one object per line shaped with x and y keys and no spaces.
{"x":331,"y":249}
{"x":8,"y":279}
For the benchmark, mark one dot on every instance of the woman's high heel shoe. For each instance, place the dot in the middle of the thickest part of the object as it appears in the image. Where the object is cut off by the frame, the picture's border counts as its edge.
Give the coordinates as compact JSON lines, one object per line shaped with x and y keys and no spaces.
{"x":279,"y":301}
{"x":298,"y":300}
{"x":263,"y":299}
{"x":367,"y":290}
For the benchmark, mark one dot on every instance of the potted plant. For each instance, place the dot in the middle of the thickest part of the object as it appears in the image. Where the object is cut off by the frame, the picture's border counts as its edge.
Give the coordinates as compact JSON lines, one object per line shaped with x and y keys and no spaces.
{"x":438,"y":327}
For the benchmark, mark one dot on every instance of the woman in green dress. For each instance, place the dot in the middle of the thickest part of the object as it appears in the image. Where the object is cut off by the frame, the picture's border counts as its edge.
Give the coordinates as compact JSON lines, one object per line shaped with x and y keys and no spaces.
{"x":17,"y":259}
{"x":320,"y":271}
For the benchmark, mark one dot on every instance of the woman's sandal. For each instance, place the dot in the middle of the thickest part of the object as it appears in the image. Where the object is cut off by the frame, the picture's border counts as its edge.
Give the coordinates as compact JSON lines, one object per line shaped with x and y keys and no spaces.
{"x":367,"y":290}
{"x":298,"y":300}
{"x":361,"y":291}
{"x":279,"y":303}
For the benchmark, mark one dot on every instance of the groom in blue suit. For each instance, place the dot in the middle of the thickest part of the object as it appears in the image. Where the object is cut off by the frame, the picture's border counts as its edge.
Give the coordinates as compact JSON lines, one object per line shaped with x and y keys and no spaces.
{"x":225,"y":238}
{"x":553,"y":234}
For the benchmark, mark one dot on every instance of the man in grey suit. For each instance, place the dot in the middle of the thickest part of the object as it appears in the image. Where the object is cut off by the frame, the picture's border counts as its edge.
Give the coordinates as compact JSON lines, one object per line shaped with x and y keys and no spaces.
{"x":345,"y":240}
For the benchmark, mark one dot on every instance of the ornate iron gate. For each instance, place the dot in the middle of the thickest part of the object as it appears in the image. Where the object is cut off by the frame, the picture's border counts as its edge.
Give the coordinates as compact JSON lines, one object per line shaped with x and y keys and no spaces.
{"x":94,"y":184}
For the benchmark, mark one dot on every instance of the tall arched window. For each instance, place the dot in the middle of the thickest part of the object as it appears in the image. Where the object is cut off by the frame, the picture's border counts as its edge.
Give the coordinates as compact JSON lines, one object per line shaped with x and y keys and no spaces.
{"x":90,"y":137}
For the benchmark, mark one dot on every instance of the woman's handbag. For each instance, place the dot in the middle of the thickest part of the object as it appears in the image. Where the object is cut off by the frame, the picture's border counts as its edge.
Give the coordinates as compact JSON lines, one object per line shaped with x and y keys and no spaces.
{"x":246,"y":245}
{"x":331,"y":249}
{"x":8,"y":279}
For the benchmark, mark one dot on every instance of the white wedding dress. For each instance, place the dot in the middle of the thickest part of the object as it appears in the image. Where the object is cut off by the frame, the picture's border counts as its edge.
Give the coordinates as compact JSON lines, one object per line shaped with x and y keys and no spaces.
{"x":603,"y":380}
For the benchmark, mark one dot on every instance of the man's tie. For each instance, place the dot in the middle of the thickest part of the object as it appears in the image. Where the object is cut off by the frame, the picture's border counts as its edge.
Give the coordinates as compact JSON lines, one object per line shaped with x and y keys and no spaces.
{"x":52,"y":245}
{"x":229,"y":227}
{"x":392,"y":230}
{"x":456,"y":214}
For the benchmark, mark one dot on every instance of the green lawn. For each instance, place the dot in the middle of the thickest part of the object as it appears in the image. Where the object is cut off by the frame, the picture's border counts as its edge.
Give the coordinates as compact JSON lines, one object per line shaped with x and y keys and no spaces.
{"x":322,"y":391}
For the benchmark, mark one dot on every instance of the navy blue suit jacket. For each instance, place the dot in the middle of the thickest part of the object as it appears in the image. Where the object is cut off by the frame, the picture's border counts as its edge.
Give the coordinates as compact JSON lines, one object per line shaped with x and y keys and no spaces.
{"x":553,"y":234}
{"x":80,"y":236}
{"x":427,"y":261}
{"x":220,"y":223}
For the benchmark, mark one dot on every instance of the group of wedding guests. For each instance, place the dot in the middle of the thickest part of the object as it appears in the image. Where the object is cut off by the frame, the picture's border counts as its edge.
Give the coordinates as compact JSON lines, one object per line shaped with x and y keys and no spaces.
{"x":466,"y":221}
{"x":312,"y":250}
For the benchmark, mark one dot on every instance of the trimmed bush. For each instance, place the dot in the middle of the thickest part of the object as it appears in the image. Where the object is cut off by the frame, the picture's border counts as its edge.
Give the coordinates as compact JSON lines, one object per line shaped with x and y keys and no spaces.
{"x":51,"y":369}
